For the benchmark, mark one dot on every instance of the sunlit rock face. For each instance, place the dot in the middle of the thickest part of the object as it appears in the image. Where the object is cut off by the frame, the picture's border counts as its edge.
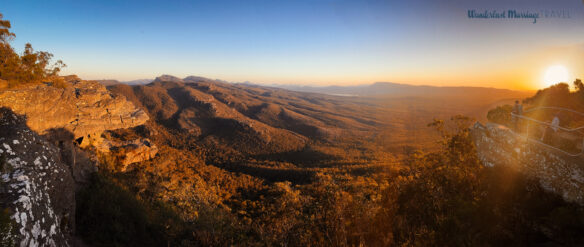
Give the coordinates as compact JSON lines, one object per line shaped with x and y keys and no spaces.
{"x":83,"y":108}
{"x":557,"y":172}
{"x":129,"y":152}
{"x":36,"y":187}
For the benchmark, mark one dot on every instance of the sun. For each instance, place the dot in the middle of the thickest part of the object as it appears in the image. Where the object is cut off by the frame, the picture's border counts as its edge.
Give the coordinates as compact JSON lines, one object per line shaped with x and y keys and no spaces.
{"x":555,"y":74}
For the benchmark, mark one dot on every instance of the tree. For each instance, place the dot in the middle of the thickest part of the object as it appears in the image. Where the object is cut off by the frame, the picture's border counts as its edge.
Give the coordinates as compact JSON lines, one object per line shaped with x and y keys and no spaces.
{"x":30,"y":67}
{"x":5,"y":34}
{"x":438,"y":192}
{"x":579,"y":88}
{"x":579,"y":85}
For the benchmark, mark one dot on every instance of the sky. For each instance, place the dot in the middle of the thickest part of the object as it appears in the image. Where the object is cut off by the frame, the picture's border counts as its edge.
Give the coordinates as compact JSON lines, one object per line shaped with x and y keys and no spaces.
{"x":318,"y":42}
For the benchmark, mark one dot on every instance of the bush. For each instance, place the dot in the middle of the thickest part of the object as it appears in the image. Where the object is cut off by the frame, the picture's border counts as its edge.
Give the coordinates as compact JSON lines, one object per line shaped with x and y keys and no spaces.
{"x":58,"y":82}
{"x":501,"y":115}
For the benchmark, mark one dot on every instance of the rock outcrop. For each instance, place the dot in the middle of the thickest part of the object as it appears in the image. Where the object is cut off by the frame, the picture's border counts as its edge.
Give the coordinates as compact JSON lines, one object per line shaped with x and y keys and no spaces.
{"x":36,"y":187}
{"x":129,"y":152}
{"x":137,"y":151}
{"x":83,"y":108}
{"x":556,"y":171}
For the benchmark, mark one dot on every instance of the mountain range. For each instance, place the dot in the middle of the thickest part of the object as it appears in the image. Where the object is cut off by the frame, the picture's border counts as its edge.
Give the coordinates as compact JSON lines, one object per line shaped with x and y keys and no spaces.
{"x":278,"y":119}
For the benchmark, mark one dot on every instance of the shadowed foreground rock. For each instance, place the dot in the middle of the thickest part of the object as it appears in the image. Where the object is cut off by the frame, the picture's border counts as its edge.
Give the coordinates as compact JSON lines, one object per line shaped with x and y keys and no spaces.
{"x":556,"y":172}
{"x":36,"y":188}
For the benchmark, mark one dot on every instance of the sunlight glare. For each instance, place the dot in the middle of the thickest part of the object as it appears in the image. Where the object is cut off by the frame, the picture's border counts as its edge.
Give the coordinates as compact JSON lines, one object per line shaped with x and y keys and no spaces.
{"x":555,"y":74}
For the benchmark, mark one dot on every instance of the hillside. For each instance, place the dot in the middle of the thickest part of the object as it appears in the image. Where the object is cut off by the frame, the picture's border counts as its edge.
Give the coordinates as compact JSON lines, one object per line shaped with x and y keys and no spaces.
{"x":400,"y":118}
{"x":357,"y":170}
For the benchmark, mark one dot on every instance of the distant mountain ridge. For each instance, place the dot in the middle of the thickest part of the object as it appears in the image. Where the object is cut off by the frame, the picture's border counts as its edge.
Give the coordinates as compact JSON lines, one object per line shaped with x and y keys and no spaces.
{"x":375,"y":89}
{"x":138,"y":82}
{"x":188,"y":79}
{"x":111,"y":82}
{"x":390,"y":88}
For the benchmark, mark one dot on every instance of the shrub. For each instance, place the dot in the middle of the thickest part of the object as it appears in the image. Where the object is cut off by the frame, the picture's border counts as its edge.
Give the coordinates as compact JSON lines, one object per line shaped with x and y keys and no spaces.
{"x":58,"y":82}
{"x":501,"y":115}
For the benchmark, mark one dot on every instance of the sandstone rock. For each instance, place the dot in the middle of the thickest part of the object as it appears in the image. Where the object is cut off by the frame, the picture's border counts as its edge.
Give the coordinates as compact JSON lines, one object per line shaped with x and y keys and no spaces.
{"x":138,"y":151}
{"x":129,"y":152}
{"x":84,"y":108}
{"x":36,"y":186}
{"x":556,"y":171}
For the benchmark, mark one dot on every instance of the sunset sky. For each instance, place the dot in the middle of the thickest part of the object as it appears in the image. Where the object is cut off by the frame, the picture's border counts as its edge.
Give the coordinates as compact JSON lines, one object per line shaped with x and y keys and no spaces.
{"x":315,"y":42}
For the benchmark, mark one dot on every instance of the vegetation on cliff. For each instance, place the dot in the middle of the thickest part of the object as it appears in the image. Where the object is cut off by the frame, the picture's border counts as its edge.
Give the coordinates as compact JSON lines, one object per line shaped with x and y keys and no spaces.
{"x":557,"y":101}
{"x":559,"y":95}
{"x":30,"y":67}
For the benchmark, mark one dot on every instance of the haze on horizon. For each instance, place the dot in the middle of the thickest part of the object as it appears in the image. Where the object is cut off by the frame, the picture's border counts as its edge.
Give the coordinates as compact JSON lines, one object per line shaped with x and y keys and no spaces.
{"x":306,"y":42}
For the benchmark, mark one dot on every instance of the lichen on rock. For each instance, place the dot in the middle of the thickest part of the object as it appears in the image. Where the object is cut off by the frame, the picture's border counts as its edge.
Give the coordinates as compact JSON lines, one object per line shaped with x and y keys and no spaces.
{"x":37,"y":188}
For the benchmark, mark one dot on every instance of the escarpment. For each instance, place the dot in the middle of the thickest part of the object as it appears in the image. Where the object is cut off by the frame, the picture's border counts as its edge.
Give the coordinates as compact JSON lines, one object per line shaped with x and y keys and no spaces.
{"x":84,"y":108}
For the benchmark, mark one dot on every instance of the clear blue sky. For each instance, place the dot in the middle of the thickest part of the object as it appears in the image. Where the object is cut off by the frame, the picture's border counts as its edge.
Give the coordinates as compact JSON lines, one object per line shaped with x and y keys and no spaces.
{"x":303,"y":42}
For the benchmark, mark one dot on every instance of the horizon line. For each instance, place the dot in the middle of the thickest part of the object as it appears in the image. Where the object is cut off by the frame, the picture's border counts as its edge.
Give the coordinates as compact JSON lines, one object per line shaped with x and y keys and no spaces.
{"x":322,"y":86}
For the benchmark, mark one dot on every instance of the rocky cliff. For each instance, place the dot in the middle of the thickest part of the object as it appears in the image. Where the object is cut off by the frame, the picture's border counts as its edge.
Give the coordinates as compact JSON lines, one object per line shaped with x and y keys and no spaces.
{"x":43,"y":129}
{"x":36,"y":187}
{"x":556,"y":171}
{"x":83,"y":108}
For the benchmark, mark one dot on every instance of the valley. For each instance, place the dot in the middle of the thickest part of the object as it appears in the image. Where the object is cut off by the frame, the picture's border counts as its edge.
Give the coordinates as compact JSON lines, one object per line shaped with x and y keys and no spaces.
{"x":268,"y":128}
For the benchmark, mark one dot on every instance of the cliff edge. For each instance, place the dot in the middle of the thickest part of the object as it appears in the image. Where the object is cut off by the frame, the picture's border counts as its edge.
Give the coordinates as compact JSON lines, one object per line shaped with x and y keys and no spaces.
{"x":84,"y":108}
